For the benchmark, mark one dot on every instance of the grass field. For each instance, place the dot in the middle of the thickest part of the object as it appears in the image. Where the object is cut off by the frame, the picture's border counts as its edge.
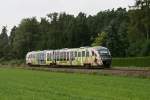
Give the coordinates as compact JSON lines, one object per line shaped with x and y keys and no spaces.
{"x":20,"y":84}
{"x":131,"y":62}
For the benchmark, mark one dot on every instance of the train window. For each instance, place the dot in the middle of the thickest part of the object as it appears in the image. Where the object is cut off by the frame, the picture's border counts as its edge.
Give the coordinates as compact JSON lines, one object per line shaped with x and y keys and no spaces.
{"x":75,"y":53}
{"x":57,"y":56}
{"x":64,"y":55}
{"x":83,"y":53}
{"x":71,"y":54}
{"x":54,"y":55}
{"x":61,"y":56}
{"x":92,"y":53}
{"x":87,"y":53}
{"x":67,"y":55}
{"x":79,"y":54}
{"x":50,"y":56}
{"x":47,"y":56}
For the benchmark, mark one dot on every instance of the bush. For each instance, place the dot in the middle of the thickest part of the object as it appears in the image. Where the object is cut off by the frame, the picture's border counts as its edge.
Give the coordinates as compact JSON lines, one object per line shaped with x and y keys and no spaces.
{"x":11,"y":62}
{"x":146,"y":49}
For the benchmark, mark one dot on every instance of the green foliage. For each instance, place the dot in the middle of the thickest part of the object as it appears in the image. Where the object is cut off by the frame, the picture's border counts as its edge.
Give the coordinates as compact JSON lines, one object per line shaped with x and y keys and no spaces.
{"x":146,"y":48}
{"x":131,"y":62}
{"x":26,"y":37}
{"x":100,"y":39}
{"x":139,"y":28}
{"x":28,"y":85}
{"x":12,"y":62}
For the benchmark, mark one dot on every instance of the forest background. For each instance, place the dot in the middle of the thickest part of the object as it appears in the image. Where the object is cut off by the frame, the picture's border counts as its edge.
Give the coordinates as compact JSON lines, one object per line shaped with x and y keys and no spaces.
{"x":125,"y":32}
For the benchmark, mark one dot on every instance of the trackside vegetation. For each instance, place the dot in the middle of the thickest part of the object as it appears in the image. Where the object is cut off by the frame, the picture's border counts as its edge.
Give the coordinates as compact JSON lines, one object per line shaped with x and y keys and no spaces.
{"x":131,"y":62}
{"x":21,"y":84}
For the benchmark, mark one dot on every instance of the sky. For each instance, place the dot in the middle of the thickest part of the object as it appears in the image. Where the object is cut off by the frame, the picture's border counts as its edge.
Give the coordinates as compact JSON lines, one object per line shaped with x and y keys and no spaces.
{"x":13,"y":11}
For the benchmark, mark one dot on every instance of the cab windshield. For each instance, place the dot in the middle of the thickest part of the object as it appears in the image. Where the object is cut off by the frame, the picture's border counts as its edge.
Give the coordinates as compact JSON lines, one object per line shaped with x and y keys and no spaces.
{"x":103,"y":51}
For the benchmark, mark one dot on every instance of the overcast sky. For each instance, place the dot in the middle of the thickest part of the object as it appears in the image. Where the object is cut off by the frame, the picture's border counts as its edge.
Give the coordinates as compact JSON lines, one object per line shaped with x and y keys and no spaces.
{"x":12,"y":11}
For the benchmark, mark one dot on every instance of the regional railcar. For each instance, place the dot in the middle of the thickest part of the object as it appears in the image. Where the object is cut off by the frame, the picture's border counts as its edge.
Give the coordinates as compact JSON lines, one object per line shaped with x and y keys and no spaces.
{"x":83,"y":56}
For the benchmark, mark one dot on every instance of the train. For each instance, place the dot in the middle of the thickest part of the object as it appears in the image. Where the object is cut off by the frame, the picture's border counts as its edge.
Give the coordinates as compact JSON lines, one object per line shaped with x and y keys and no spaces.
{"x":83,"y":56}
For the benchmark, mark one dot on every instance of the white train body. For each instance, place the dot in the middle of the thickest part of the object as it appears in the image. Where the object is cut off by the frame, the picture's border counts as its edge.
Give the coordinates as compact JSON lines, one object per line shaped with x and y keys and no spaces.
{"x":91,"y":56}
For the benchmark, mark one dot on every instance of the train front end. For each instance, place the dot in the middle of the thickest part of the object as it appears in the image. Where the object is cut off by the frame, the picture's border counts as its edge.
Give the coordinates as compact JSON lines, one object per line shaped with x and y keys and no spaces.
{"x":105,"y":56}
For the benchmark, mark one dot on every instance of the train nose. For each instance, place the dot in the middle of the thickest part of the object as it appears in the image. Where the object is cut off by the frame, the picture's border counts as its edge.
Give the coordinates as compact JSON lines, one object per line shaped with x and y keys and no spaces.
{"x":107,"y":63}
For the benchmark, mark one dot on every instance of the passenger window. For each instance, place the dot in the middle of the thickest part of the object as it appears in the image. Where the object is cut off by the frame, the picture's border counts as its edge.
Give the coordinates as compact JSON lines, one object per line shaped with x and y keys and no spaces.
{"x":83,"y":53}
{"x":92,"y":53}
{"x":79,"y":54}
{"x":61,"y":56}
{"x":64,"y":55}
{"x":67,"y":55}
{"x":50,"y":56}
{"x":47,"y":56}
{"x":76,"y":54}
{"x":87,"y":53}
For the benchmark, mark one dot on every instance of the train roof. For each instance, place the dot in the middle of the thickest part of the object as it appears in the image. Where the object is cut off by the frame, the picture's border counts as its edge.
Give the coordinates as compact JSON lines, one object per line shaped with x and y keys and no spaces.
{"x":86,"y":47}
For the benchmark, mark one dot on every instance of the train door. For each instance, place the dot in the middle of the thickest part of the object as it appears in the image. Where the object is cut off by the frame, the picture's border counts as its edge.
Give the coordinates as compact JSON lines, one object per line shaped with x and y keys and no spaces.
{"x":41,"y":58}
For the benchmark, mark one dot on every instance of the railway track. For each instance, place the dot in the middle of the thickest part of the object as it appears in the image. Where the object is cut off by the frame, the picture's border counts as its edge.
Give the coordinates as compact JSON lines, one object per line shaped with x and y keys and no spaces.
{"x":96,"y":70}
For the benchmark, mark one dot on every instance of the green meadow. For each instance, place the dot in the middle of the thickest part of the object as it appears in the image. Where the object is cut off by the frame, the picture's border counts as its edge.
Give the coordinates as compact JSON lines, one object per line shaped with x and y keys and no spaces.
{"x":21,"y":84}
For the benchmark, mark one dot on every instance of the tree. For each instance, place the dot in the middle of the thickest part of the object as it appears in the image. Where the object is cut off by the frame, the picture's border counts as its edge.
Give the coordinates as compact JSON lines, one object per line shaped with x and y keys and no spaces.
{"x":81,"y":35}
{"x":139,"y":26}
{"x":100,"y":40}
{"x":3,"y":42}
{"x":113,"y":42}
{"x":123,"y":38}
{"x":12,"y":35}
{"x":26,"y":37}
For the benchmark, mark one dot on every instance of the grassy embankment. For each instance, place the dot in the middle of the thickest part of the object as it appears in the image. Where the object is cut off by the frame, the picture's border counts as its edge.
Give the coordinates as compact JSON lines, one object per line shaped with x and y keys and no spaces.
{"x":131,"y":62}
{"x":20,"y":84}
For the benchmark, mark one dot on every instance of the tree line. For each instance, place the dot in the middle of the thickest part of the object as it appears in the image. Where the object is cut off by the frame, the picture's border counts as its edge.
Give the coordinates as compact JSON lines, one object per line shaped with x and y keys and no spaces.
{"x":125,"y":33}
